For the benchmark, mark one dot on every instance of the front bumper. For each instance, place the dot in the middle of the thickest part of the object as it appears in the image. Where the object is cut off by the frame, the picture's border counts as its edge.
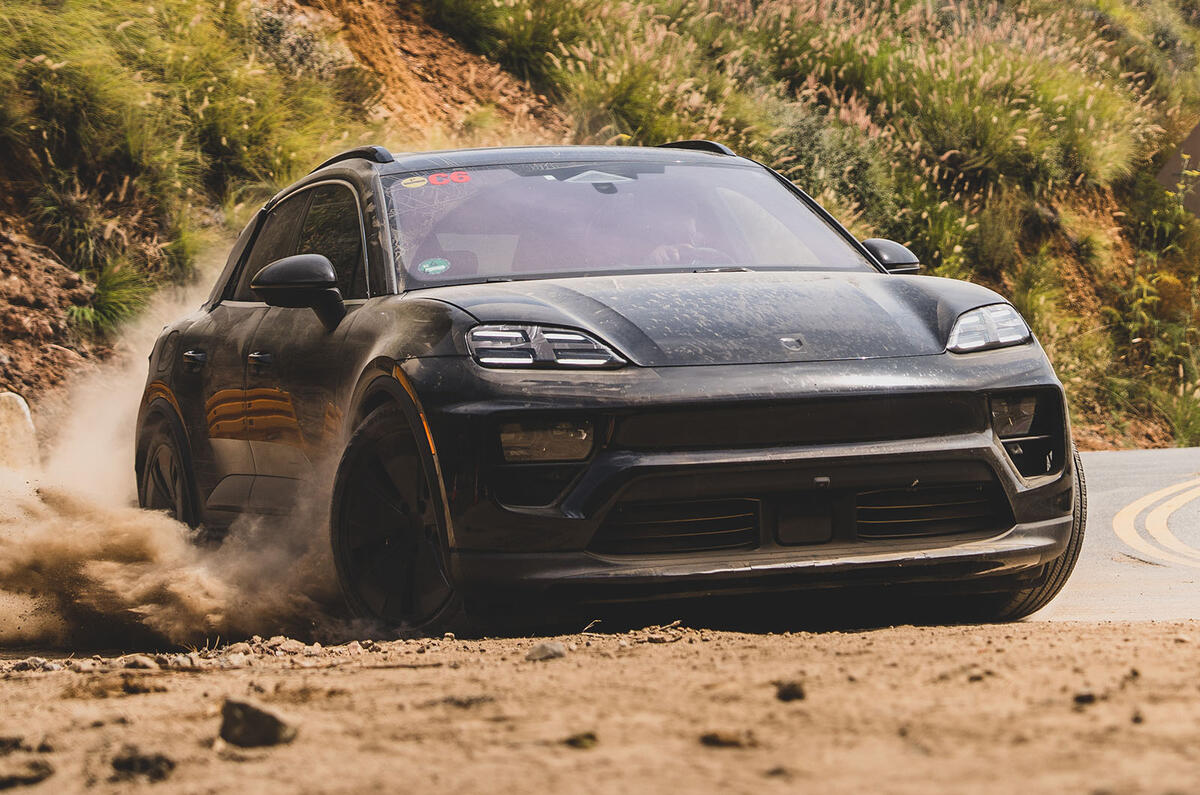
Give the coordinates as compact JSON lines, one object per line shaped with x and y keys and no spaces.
{"x":547,"y":545}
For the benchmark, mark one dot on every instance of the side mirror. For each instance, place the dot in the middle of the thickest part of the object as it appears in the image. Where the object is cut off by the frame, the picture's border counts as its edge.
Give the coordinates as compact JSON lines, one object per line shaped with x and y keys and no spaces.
{"x":302,"y":281}
{"x":892,"y":256}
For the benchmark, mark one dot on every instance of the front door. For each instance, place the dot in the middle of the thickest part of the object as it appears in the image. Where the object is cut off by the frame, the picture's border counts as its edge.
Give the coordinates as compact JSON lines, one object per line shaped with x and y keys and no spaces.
{"x":297,"y":371}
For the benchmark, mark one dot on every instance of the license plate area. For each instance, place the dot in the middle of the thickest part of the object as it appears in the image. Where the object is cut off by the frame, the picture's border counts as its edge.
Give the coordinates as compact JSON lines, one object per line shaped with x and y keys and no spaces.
{"x":804,"y":519}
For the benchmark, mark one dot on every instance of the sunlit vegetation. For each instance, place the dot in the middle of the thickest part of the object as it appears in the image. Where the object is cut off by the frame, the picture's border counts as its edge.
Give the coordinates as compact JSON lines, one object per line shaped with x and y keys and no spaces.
{"x":1013,"y":143}
{"x":123,"y":122}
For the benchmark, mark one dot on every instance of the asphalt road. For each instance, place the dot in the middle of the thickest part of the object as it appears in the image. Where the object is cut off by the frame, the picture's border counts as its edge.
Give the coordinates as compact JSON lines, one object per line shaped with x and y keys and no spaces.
{"x":1141,"y":554}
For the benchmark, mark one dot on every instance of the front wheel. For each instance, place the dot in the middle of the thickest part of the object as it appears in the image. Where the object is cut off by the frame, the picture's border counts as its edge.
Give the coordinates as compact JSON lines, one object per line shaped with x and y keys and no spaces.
{"x":1022,"y":602}
{"x":387,"y":546}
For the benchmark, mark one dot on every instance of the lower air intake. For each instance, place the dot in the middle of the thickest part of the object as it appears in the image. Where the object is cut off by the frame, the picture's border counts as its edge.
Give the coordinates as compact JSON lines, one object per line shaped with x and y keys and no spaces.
{"x":655,"y":528}
{"x":931,"y":511}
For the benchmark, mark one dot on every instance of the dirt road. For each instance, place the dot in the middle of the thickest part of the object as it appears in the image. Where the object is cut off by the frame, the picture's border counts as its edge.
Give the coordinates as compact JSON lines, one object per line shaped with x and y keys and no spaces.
{"x":1035,"y":707}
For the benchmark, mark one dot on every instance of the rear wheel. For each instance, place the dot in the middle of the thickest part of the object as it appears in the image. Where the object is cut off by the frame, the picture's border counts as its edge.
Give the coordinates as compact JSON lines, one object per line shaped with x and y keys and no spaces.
{"x":387,"y":546}
{"x":166,"y":476}
{"x":1025,"y":601}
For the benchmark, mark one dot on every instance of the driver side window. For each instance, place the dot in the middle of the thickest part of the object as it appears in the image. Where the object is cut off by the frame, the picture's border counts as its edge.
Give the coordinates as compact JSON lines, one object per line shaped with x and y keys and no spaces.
{"x":276,"y":240}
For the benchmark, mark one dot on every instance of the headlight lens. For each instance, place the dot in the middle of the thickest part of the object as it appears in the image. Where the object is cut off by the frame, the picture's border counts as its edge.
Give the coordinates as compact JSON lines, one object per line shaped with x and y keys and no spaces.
{"x":539,"y":346}
{"x":995,"y":326}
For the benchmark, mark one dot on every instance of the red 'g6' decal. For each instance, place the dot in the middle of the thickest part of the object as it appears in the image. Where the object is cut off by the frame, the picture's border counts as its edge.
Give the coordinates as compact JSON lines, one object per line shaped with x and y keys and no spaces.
{"x":454,"y":176}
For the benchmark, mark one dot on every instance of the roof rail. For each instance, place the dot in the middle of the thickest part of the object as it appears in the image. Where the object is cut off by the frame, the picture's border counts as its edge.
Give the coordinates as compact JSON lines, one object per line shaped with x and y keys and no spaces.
{"x":376,"y":154}
{"x":700,"y":146}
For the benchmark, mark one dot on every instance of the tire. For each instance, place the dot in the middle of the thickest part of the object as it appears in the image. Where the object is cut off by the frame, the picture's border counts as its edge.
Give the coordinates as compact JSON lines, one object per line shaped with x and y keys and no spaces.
{"x":388,"y":548}
{"x":1025,"y":601}
{"x":165,"y":482}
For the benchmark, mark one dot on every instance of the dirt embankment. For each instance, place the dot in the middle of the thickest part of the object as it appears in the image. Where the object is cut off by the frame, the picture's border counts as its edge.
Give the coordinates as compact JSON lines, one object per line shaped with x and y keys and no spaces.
{"x":38,"y":346}
{"x":430,"y":85}
{"x":1032,"y":707}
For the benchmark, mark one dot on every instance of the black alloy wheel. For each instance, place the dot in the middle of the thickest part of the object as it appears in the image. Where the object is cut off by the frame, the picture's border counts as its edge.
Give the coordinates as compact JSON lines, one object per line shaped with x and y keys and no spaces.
{"x":387,"y":546}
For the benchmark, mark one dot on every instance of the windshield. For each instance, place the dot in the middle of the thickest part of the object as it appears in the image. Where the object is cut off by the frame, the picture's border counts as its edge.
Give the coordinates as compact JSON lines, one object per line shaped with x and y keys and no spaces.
{"x":537,"y":220}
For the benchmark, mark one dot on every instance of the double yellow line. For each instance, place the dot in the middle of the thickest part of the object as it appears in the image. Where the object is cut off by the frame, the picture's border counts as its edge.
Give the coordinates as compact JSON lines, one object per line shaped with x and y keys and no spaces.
{"x":1161,"y":544}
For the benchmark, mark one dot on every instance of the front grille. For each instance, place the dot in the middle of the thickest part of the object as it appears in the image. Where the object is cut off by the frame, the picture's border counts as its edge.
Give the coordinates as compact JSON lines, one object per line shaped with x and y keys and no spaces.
{"x":761,"y":424}
{"x":931,"y":510}
{"x":702,"y":526}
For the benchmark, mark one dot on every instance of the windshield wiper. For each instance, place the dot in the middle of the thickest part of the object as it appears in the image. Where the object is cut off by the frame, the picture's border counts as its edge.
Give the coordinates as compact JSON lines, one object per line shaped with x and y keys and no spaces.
{"x":723,"y":269}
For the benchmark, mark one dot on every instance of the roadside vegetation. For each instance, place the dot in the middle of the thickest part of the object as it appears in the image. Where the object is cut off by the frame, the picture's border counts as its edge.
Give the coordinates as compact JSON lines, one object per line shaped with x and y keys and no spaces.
{"x":125,"y":125}
{"x":1012,"y":143}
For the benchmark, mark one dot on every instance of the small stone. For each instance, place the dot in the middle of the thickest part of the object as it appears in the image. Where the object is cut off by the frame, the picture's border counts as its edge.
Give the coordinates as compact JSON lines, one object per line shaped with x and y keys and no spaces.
{"x":546,"y":650}
{"x":448,"y":636}
{"x":1085,"y":697}
{"x":1181,"y":639}
{"x":314,"y":650}
{"x":728,"y":739}
{"x":290,"y":646}
{"x":788,"y":690}
{"x":239,"y":648}
{"x":82,"y":666}
{"x":582,"y":740}
{"x":131,"y":763}
{"x":250,"y":726}
{"x":30,"y":664}
{"x":656,"y":638}
{"x":237,"y":660}
{"x":624,"y":644}
{"x":24,"y":773}
{"x":52,"y":666}
{"x":1137,"y":717}
{"x":140,"y":662}
{"x":354,"y":647}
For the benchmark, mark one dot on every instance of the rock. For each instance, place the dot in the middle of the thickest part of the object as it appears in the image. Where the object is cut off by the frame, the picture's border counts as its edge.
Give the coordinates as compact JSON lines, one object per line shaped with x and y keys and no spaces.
{"x":131,"y":763}
{"x":290,"y":646}
{"x":1181,"y":639}
{"x":24,"y":773}
{"x":1084,"y":697}
{"x":30,"y":664}
{"x":788,"y":690}
{"x":314,"y":650}
{"x":237,"y":660}
{"x":139,"y":662}
{"x":82,"y":666}
{"x":250,"y":726}
{"x":354,"y":647}
{"x":546,"y":650}
{"x":582,"y":740}
{"x":448,"y":636}
{"x":728,"y":739}
{"x":239,"y":648}
{"x":18,"y":440}
{"x":52,"y":666}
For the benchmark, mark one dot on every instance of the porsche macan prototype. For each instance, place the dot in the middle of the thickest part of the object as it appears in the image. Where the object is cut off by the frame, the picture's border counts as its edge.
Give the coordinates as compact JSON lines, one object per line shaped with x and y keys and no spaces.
{"x":578,"y":374}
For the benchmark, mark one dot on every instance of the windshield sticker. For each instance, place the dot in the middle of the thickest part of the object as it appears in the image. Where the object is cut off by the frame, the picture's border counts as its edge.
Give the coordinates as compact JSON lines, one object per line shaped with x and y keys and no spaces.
{"x":434,"y":266}
{"x":458,"y":177}
{"x":597,"y":177}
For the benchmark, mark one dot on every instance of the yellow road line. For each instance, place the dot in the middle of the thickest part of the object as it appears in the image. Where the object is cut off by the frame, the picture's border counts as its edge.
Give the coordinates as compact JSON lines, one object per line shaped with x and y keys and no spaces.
{"x":1156,"y":524}
{"x":1124,"y":524}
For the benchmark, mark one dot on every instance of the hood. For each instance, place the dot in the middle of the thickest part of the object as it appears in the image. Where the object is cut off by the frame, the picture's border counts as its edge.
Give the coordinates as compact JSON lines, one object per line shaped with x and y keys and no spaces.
{"x":679,"y":319}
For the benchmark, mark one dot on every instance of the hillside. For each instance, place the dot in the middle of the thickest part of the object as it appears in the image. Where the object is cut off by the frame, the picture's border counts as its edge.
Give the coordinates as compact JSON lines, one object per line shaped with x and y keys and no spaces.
{"x":1013,"y":143}
{"x":135,"y":135}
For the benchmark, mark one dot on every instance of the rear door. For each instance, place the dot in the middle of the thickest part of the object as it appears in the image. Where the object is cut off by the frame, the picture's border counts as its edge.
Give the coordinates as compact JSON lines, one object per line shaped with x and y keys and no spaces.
{"x":214,"y":353}
{"x":298,"y":372}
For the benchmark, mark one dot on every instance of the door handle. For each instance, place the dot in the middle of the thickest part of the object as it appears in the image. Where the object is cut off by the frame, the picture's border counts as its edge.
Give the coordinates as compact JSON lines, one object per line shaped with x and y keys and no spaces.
{"x":260,"y":359}
{"x":195,"y":359}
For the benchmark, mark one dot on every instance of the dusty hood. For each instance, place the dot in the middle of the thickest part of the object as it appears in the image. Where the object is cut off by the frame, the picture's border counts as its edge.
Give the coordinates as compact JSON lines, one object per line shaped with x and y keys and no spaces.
{"x":736,"y":318}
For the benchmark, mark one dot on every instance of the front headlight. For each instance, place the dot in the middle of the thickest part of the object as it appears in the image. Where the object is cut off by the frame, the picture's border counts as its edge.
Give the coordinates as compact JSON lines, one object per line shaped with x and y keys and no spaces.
{"x":511,"y":345}
{"x":995,"y":326}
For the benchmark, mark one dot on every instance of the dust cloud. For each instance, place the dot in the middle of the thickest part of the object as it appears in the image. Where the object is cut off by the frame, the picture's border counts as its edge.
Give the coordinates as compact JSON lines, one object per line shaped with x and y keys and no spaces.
{"x":80,"y":564}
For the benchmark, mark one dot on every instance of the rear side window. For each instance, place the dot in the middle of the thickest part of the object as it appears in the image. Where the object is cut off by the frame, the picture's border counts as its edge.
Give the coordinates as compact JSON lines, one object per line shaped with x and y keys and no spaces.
{"x":332,"y":228}
{"x":276,"y":241}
